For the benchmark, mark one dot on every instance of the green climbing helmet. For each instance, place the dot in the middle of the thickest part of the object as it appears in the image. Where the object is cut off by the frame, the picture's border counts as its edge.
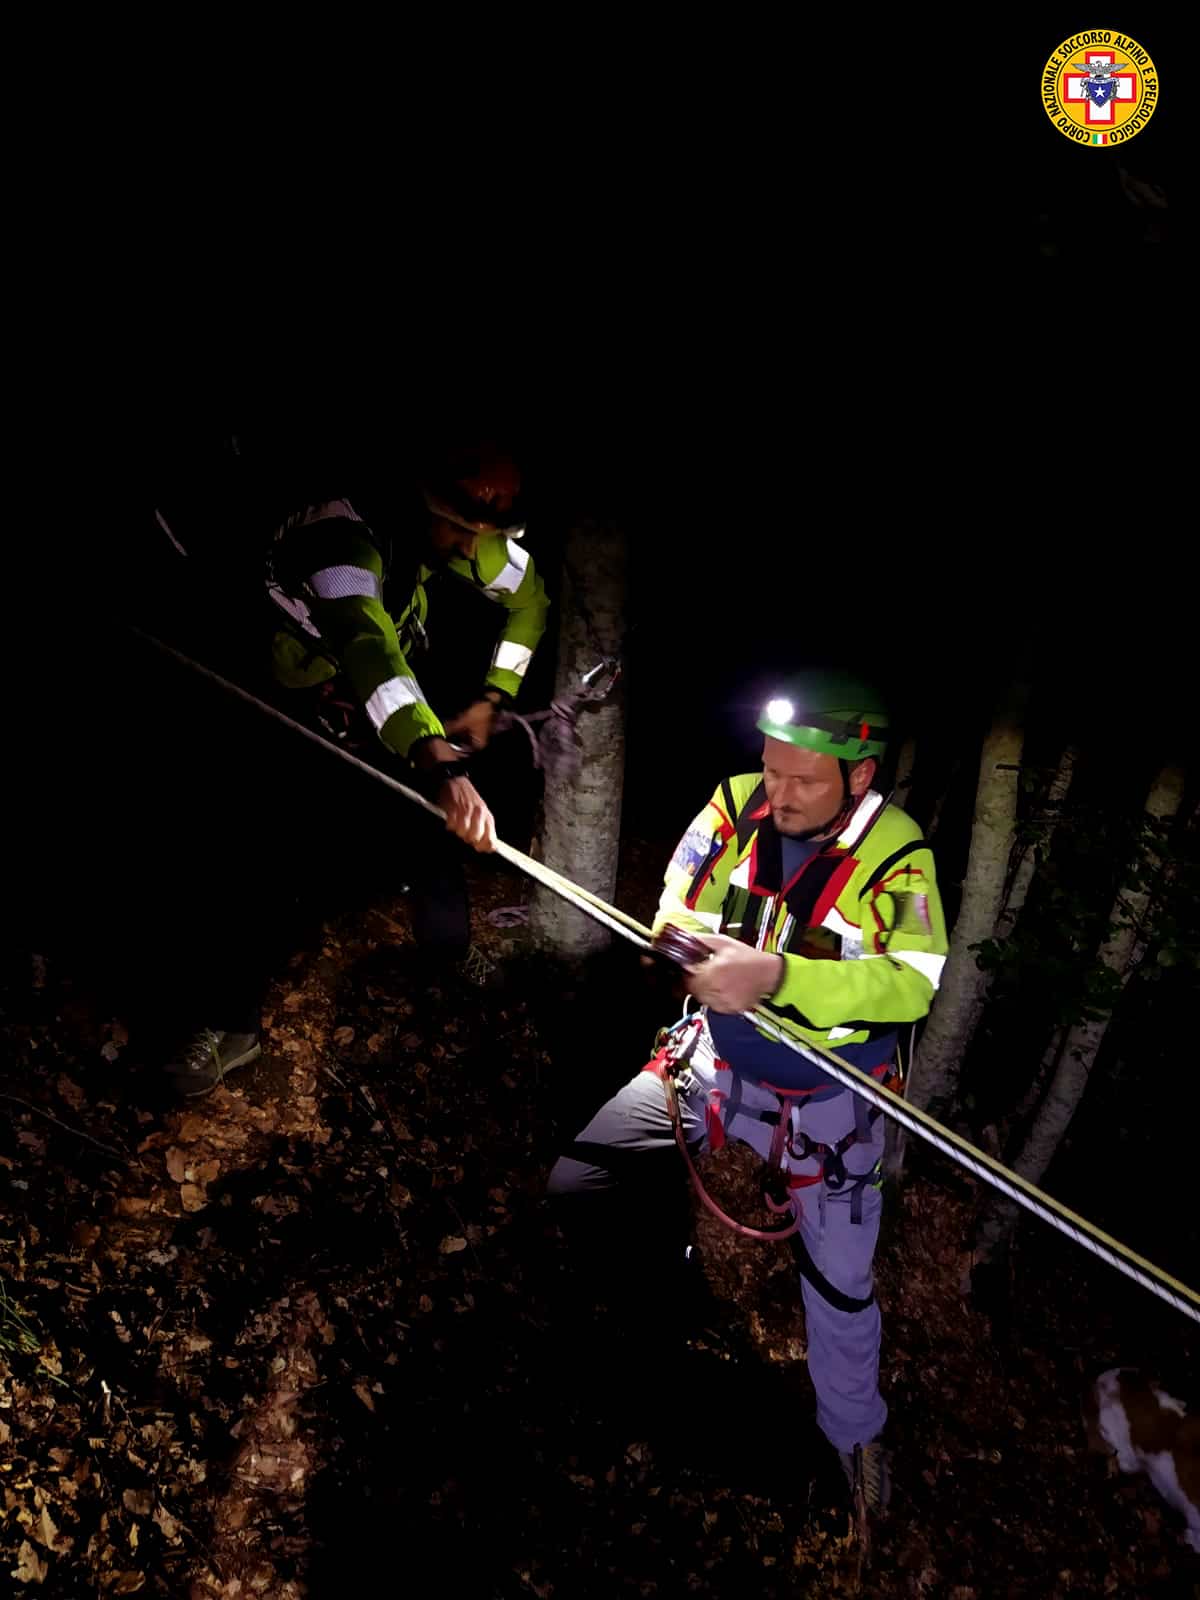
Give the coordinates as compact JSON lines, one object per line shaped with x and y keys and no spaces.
{"x":834,"y":714}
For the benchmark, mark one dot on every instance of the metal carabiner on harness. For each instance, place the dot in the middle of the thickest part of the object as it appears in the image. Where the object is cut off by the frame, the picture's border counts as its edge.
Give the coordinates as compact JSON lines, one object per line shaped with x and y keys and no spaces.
{"x":672,"y":1054}
{"x":833,"y":1167}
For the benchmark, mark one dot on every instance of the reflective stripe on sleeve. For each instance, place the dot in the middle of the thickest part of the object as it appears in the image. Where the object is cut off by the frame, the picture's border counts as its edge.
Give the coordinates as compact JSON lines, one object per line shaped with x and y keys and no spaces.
{"x":340,"y":583}
{"x":510,"y":657}
{"x":509,"y":581}
{"x":392,"y":696}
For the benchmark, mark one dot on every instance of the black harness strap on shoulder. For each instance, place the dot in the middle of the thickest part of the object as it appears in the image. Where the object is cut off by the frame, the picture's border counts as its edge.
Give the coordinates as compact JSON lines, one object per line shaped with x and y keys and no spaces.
{"x":746,"y":826}
{"x":727,"y":796}
{"x":888,"y":862}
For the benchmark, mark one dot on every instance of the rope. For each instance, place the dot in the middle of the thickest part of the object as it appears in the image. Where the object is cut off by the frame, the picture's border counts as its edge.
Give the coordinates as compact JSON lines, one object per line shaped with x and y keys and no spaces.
{"x":583,"y":899}
{"x":959,"y":1150}
{"x":983,"y":1166}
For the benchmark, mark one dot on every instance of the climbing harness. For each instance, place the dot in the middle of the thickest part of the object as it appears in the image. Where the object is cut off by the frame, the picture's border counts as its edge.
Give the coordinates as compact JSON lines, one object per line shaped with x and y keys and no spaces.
{"x":674,"y":1049}
{"x":669,"y":1060}
{"x":910,"y":1117}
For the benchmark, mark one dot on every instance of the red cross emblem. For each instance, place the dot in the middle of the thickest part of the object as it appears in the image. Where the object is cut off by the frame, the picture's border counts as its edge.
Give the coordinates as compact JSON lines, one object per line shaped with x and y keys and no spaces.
{"x":1100,"y":109}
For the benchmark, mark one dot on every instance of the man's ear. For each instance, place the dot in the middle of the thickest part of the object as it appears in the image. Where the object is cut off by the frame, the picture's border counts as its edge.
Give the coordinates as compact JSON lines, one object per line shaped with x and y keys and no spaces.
{"x":861,"y":776}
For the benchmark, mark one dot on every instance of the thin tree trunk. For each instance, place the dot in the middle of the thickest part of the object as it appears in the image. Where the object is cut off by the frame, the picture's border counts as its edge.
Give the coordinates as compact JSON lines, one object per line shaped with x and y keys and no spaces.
{"x":1055,"y":800}
{"x":960,"y":1000}
{"x":1083,"y":1041}
{"x":1015,"y":903}
{"x":904,"y":769}
{"x":1046,"y":1066}
{"x":939,"y":804}
{"x":582,"y":809}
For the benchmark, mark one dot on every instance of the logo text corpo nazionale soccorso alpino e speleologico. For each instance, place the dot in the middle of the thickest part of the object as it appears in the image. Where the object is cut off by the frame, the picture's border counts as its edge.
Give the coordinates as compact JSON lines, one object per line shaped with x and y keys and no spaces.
{"x":1100,"y":88}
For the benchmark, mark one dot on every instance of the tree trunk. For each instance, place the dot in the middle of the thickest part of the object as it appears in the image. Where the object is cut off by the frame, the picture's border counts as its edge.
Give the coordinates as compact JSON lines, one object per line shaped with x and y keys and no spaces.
{"x":939,"y":805}
{"x":1059,"y":788}
{"x":582,"y":810}
{"x":1015,"y":903}
{"x":1046,"y":1066}
{"x":960,"y":999}
{"x":904,"y":770}
{"x":1083,"y":1041}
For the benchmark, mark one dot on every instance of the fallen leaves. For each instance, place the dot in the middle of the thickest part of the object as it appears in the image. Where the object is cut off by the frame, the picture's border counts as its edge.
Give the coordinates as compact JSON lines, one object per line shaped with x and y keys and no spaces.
{"x":30,"y":1567}
{"x":71,"y":1092}
{"x":167,"y":1524}
{"x":46,"y":1532}
{"x":204,"y":1326}
{"x":127,"y":1583}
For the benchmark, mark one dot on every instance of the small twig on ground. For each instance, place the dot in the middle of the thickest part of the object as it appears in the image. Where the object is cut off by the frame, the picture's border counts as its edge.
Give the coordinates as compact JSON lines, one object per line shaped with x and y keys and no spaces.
{"x":465,"y":1234}
{"x":65,"y":1126}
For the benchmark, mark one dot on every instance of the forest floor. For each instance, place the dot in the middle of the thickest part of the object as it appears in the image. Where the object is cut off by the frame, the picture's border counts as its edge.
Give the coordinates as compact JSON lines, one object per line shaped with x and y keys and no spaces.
{"x":302,"y":1336}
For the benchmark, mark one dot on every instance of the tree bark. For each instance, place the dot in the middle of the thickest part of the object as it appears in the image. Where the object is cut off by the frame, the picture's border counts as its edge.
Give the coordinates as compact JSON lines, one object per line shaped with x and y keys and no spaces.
{"x":582,"y":810}
{"x":960,"y":1000}
{"x":1083,"y":1041}
{"x":1046,"y":1066}
{"x":1059,"y":788}
{"x":939,"y":805}
{"x":904,"y":769}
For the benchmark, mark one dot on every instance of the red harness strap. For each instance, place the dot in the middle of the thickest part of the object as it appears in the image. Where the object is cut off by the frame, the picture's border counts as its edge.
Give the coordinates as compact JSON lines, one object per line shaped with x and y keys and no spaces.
{"x":662,"y":1066}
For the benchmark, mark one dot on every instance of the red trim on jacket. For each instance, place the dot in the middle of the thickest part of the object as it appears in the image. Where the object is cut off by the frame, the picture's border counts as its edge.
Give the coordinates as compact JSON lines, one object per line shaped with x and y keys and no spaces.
{"x":837,"y":882}
{"x":900,"y":872}
{"x":726,"y":825}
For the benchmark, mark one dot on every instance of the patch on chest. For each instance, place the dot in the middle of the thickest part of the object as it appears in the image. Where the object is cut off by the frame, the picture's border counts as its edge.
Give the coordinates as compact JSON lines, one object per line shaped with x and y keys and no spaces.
{"x":912,"y":912}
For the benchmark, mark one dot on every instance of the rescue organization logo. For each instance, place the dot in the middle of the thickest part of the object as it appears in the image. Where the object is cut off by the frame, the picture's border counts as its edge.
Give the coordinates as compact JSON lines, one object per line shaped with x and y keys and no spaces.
{"x":1099,"y":88}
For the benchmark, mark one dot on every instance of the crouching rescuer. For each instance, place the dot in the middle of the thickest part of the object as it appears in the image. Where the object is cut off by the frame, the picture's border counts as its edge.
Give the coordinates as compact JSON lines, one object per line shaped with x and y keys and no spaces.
{"x":349,"y":613}
{"x":812,"y":898}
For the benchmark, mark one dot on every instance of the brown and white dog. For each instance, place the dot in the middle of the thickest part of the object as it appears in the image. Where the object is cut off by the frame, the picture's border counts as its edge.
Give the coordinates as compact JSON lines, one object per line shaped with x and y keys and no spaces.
{"x":1151,"y":1432}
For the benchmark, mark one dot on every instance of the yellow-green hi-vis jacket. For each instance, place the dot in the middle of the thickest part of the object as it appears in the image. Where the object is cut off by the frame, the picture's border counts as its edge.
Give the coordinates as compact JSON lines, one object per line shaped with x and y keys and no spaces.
{"x":328,"y":577}
{"x":860,"y":926}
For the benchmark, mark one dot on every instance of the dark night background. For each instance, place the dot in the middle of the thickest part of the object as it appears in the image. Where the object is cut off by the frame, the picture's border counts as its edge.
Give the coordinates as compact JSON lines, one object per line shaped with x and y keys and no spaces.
{"x":900,"y":389}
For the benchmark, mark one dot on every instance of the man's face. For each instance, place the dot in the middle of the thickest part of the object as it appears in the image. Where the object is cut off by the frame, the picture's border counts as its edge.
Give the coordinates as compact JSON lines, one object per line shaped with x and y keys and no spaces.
{"x":804,"y":788}
{"x":492,"y":489}
{"x":449,"y":540}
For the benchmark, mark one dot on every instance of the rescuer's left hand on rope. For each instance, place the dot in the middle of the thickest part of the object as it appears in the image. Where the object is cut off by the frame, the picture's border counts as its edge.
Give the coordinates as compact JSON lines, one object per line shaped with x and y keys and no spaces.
{"x":736,"y":976}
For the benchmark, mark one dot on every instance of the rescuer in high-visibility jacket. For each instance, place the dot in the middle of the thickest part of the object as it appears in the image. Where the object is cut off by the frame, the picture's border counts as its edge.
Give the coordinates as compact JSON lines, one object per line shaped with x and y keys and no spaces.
{"x":342,"y":613}
{"x":819,"y":903}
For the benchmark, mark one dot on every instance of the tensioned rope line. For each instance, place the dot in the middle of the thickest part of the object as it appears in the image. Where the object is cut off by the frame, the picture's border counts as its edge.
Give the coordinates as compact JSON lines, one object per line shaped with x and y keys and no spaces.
{"x":958,"y":1149}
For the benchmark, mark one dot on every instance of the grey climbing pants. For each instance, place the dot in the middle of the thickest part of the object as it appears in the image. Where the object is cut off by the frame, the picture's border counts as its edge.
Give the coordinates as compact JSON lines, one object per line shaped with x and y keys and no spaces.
{"x":839,"y":1230}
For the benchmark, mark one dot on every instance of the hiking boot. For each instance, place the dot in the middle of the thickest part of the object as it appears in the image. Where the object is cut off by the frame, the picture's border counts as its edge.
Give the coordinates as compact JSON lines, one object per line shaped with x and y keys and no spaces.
{"x":868,"y":1470}
{"x":207,"y":1056}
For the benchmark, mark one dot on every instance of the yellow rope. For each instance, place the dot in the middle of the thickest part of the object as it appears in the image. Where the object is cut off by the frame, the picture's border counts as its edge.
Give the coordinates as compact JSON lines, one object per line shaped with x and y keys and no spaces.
{"x":1178,"y":1294}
